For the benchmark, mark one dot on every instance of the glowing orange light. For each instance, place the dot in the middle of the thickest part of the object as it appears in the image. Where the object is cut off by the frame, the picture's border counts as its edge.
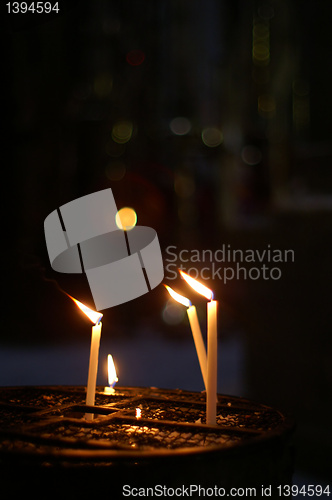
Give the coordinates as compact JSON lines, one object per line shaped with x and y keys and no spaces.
{"x":112,"y":376}
{"x":179,"y":298}
{"x":138,"y":413}
{"x":126,"y":218}
{"x":197,"y":286}
{"x":93,"y":316}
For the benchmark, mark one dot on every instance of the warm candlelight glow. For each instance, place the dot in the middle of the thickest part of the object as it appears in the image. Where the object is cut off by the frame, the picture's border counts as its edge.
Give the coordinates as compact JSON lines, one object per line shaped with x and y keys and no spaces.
{"x":126,"y":218}
{"x":138,"y":413}
{"x":112,"y":376}
{"x":93,"y":316}
{"x":197,"y":286}
{"x":179,"y":298}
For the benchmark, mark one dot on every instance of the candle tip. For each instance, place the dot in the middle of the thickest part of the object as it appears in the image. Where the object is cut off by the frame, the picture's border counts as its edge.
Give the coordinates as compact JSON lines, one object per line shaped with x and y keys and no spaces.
{"x":197,"y":286}
{"x":179,"y":298}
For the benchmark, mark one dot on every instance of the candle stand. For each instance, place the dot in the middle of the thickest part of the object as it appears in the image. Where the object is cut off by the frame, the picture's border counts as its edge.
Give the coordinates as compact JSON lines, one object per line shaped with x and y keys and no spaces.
{"x":45,"y":427}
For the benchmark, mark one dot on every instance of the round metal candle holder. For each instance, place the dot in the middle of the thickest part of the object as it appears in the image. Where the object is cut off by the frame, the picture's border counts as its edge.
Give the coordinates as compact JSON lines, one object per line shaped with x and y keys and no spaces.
{"x":45,"y":427}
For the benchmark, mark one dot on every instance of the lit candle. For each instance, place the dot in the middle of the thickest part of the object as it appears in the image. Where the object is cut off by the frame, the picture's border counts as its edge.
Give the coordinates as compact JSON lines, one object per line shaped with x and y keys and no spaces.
{"x":212,"y":348}
{"x":195,"y":329}
{"x":95,"y":317}
{"x":112,"y":376}
{"x":211,"y":397}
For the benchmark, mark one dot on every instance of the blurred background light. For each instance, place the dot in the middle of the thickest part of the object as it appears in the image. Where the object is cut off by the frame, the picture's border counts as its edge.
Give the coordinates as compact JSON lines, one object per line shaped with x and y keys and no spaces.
{"x":212,"y":137}
{"x":122,"y":131}
{"x":135,"y":57}
{"x":251,"y":155}
{"x":266,"y":106}
{"x":261,"y":42}
{"x":126,"y":218}
{"x":173,"y":313}
{"x":180,"y":125}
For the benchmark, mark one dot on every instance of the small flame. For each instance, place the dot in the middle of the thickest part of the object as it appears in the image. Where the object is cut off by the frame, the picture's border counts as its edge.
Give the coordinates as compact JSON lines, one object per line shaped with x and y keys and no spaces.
{"x":179,"y":298}
{"x":197,"y":286}
{"x":112,"y":377}
{"x":138,"y":413}
{"x":93,"y":316}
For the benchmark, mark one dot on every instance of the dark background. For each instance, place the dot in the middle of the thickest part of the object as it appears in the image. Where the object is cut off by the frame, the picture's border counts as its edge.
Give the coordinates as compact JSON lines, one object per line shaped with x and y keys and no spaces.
{"x":259,"y":73}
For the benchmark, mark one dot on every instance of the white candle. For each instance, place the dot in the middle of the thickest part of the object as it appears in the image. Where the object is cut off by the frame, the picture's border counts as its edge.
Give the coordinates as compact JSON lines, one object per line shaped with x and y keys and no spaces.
{"x":212,"y":354}
{"x":198,"y":341}
{"x":95,"y":317}
{"x":93,"y":368}
{"x":211,"y":397}
{"x":195,"y":330}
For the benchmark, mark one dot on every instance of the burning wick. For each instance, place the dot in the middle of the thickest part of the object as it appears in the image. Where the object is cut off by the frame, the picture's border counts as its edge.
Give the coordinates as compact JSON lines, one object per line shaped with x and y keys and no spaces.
{"x":212,"y":346}
{"x":95,"y":317}
{"x":195,"y":330}
{"x":112,"y":376}
{"x":138,"y":413}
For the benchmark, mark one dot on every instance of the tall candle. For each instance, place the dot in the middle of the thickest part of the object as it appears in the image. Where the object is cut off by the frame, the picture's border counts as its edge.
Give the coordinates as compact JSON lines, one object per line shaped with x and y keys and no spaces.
{"x":212,"y":341}
{"x":93,"y":367}
{"x":211,"y":397}
{"x":95,"y":317}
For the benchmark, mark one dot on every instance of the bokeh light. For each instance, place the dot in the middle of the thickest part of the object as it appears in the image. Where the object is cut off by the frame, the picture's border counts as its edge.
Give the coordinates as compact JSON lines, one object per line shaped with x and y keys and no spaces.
{"x":266,"y":105}
{"x":180,"y":125}
{"x":173,"y":313}
{"x":135,"y":57}
{"x":212,"y":137}
{"x":251,"y":155}
{"x":261,"y":43}
{"x":122,"y":131}
{"x":126,"y":218}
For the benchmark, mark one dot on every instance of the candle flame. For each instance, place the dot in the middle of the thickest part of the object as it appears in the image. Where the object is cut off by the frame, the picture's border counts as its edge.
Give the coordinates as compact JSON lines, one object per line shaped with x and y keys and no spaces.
{"x":112,"y":376}
{"x":138,"y":413}
{"x":197,"y":286}
{"x":93,"y":316}
{"x":179,"y":298}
